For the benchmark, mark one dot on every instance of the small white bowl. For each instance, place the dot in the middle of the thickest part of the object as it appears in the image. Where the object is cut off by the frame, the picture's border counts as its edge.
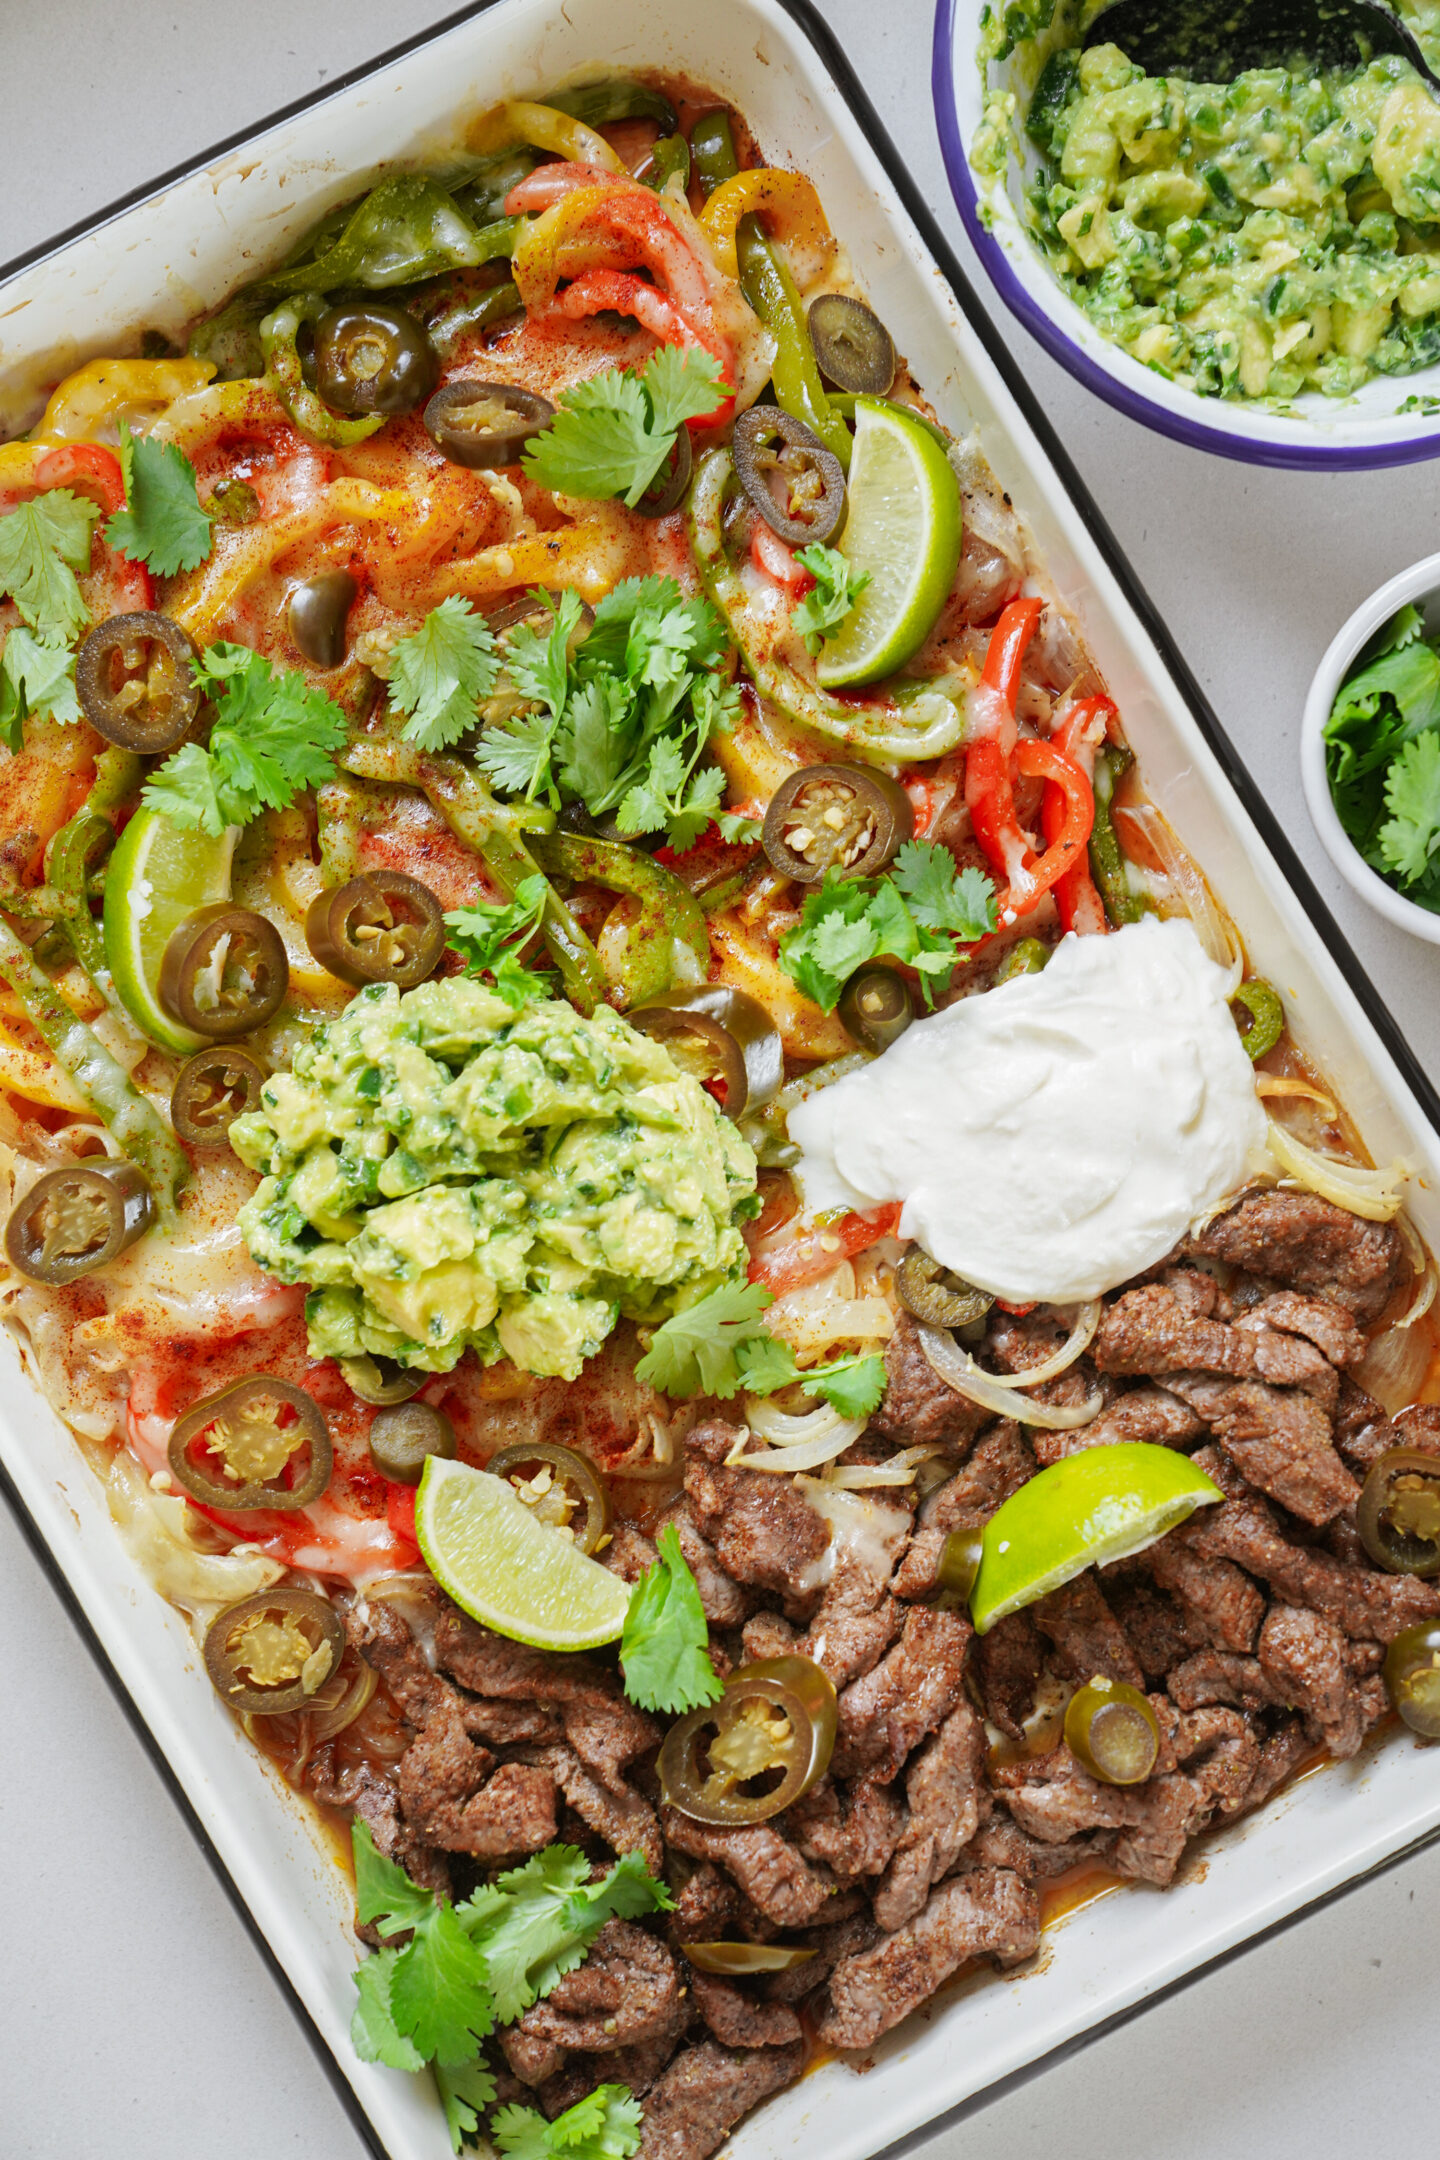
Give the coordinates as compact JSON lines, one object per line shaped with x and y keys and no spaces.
{"x":1420,"y":584}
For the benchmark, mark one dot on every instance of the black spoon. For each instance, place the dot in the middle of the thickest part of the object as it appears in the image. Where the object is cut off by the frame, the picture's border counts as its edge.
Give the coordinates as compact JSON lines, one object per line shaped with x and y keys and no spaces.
{"x":1214,"y":40}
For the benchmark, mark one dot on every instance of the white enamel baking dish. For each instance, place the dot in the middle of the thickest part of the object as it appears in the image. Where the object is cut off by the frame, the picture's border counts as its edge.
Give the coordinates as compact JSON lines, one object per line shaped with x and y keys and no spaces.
{"x":158,"y":260}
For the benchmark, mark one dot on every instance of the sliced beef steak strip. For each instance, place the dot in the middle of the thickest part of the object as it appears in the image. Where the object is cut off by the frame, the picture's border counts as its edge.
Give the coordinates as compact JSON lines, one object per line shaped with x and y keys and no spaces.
{"x":944,"y":1791}
{"x":1221,"y":1676}
{"x":638,"y":2067}
{"x":919,"y":1410}
{"x":1418,"y":1427}
{"x":704,"y":1905}
{"x":626,"y":1992}
{"x":376,"y":1802}
{"x":1008,"y":1663}
{"x":1363,"y":1604}
{"x":988,"y":1912}
{"x":1151,"y":1414}
{"x":773,"y":1873}
{"x":1088,"y":1639}
{"x":695,"y":2104}
{"x":829,"y":1945}
{"x":999,"y":1466}
{"x":909,"y":1694}
{"x":1159,"y":1628}
{"x":764,"y":1532}
{"x":624,"y":1819}
{"x":726,"y":1603}
{"x":853,"y":1829}
{"x":605,"y":1731}
{"x":1153,"y":1331}
{"x":736,"y":2020}
{"x":1303,"y":1657}
{"x":382,"y":1638}
{"x":1001,"y":1843}
{"x":1216,"y":1596}
{"x":453,"y":1795}
{"x":1361,"y":1429}
{"x":1330,"y":1327}
{"x":1308,"y":1244}
{"x":1280,"y":1439}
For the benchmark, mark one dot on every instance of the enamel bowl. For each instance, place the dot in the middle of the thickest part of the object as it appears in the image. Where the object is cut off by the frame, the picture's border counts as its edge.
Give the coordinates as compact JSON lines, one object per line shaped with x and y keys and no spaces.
{"x":1315,"y":434}
{"x":1419,"y":584}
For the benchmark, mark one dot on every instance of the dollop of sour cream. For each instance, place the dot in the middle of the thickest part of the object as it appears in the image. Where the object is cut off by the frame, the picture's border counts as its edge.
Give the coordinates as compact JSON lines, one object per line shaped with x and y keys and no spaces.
{"x":1054,"y":1136}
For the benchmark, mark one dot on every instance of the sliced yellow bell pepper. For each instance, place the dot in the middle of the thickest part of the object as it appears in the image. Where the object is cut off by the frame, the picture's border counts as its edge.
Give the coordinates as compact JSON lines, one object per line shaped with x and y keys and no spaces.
{"x":785,"y":203}
{"x":543,"y":127}
{"x":110,"y":390}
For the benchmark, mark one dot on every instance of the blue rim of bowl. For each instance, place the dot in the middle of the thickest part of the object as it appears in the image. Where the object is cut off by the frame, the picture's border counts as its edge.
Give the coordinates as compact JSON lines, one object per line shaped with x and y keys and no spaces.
{"x":1047,"y":332}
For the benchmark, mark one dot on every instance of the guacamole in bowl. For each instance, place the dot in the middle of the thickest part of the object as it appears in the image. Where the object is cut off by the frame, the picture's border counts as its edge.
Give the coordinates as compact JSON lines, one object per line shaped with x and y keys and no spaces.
{"x":1254,"y":266}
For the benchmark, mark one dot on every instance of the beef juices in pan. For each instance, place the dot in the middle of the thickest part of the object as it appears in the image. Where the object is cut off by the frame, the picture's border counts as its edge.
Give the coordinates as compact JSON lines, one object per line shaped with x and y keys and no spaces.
{"x":537,"y":876}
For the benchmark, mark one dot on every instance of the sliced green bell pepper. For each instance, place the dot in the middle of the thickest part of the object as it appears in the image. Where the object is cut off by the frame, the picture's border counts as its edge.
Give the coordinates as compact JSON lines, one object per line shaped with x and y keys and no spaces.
{"x":667,"y":909}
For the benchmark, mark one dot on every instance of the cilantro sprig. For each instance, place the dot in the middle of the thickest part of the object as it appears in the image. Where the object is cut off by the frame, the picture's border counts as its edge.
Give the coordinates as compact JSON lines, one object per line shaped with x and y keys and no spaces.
{"x":490,"y":940}
{"x":605,"y":2125}
{"x":42,"y":546}
{"x":720,"y":1344}
{"x":664,"y":1646}
{"x":273,"y":736}
{"x":1382,"y":756}
{"x":37,"y":675}
{"x":838,"y":585}
{"x":162,"y":524}
{"x":918,"y":914}
{"x":612,"y":433}
{"x":468,"y":1966}
{"x":439,"y":674}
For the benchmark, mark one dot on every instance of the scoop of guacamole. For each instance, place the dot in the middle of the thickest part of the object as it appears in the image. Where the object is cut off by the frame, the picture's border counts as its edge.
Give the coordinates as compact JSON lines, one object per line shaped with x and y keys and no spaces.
{"x":1257,"y":239}
{"x":451,"y":1175}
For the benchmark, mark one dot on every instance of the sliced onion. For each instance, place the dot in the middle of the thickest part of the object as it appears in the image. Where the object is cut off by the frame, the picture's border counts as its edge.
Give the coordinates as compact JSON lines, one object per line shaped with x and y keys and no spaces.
{"x":326,"y":1722}
{"x":1424,"y":1297}
{"x":1375,"y":1194}
{"x":1211,"y":925}
{"x":1275,"y":1084}
{"x":1082,"y":1334}
{"x":1393,"y":1369}
{"x":958,"y":1370}
{"x":824,"y":1444}
{"x":899,"y":1470}
{"x":786,"y":1429}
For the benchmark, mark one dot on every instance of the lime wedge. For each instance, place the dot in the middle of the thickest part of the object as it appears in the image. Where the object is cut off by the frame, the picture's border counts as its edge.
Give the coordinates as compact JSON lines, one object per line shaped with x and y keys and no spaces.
{"x":157,"y":876}
{"x":519,"y":1576}
{"x":1089,"y":1508}
{"x":903,"y":528}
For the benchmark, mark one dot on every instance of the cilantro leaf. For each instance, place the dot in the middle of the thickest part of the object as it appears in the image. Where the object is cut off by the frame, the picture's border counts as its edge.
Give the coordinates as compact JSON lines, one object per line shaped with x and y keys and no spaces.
{"x":42,"y":545}
{"x":853,"y":1386}
{"x":272,"y":737}
{"x":693,"y":1352}
{"x":605,"y":2125}
{"x":594,"y":743}
{"x":162,"y":524}
{"x":938,"y":896}
{"x":612,"y":433}
{"x":440,"y":672}
{"x":373,"y":2029}
{"x":516,"y":753}
{"x":915,"y":914}
{"x":1410,"y":837}
{"x":664,"y":1648}
{"x":37,"y":676}
{"x":766,"y":1363}
{"x":533,"y":1928}
{"x":383,"y":1890}
{"x":439,"y":1992}
{"x":539,"y":667}
{"x":464,"y":2092}
{"x":488,"y":940}
{"x":838,"y":585}
{"x":628,"y":1891}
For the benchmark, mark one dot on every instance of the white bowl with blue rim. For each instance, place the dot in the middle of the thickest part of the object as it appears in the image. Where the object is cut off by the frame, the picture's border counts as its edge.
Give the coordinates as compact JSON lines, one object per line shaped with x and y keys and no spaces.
{"x":1419,"y":586}
{"x":1390,"y":420}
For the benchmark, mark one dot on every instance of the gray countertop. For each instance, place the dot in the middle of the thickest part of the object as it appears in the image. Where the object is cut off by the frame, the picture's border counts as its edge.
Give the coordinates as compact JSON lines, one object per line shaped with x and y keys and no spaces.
{"x":137,"y":2018}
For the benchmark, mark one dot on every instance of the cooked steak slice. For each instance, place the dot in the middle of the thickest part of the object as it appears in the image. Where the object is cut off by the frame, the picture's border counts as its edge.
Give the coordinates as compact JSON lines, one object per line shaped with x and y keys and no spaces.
{"x":768,"y":1635}
{"x":1280,"y":1756}
{"x":944,"y":1789}
{"x":452,"y":1794}
{"x":379,"y":1633}
{"x":624,"y":1818}
{"x":1216,"y":1596}
{"x":736,"y":2020}
{"x":1303,"y":1656}
{"x":1367,"y":1605}
{"x":605,"y":1731}
{"x":376,"y":1802}
{"x":1088,"y":1639}
{"x":1008,"y":1662}
{"x":1220,"y":1748}
{"x":1305,"y":1243}
{"x":853,"y":1829}
{"x":829,"y":1945}
{"x":1054,"y":1799}
{"x":638,"y":2067}
{"x":763,"y":1530}
{"x":695,"y":2104}
{"x":1149,"y":1413}
{"x":1280,"y":1439}
{"x":1159,"y":1628}
{"x":1291,"y":1361}
{"x":1418,"y":1427}
{"x":986,"y":1913}
{"x":910,"y":1693}
{"x":1330,"y":1327}
{"x":1220,"y":1676}
{"x":773,"y":1873}
{"x":704,"y":1905}
{"x":858,"y":1619}
{"x":1001,"y":1843}
{"x":726,"y":1603}
{"x":1000,"y":1465}
{"x":1153,"y":1330}
{"x":919,"y":1410}
{"x":626,"y":1992}
{"x":1361,"y":1430}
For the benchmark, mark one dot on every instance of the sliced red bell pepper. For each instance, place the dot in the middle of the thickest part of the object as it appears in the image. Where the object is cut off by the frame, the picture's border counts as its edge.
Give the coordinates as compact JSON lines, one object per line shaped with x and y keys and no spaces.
{"x":989,"y":793}
{"x":400,"y":1513}
{"x":626,"y":294}
{"x":812,"y":1252}
{"x":1066,"y":848}
{"x":776,"y":560}
{"x":1079,"y":904}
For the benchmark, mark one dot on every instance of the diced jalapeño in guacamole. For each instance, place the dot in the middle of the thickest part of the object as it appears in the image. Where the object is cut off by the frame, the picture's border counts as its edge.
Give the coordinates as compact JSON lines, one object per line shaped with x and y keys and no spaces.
{"x":451,"y":1175}
{"x":1254,"y":239}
